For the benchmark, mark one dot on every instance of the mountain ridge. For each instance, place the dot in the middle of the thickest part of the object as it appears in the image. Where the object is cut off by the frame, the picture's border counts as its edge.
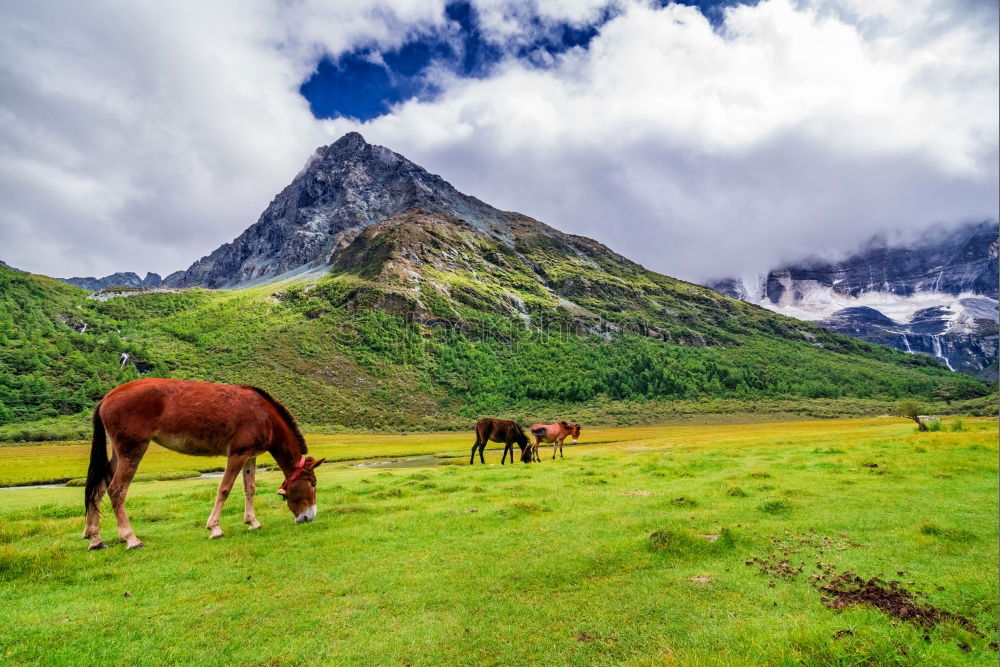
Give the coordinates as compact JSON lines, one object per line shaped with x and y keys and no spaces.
{"x":936,"y":295}
{"x":122,"y":279}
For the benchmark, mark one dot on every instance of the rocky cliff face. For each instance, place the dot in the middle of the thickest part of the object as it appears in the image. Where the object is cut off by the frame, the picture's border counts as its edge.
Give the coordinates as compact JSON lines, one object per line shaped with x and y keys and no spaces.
{"x":344,"y":188}
{"x":127,"y":279}
{"x":937,"y":296}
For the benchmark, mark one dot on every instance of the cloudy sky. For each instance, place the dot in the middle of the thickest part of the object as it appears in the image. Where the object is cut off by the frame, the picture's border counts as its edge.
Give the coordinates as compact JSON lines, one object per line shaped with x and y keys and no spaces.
{"x":701,"y":140}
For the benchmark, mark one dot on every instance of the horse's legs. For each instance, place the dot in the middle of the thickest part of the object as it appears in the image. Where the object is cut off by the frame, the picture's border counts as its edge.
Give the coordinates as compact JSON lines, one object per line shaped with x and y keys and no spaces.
{"x":482,"y":448}
{"x":234,"y":464}
{"x":561,"y":441}
{"x":475,"y":445}
{"x":250,"y":487}
{"x":118,"y":489}
{"x":507,"y":447}
{"x":92,"y":531}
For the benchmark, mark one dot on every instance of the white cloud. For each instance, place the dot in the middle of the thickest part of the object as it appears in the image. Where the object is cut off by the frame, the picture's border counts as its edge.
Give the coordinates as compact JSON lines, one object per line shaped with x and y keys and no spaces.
{"x":135,"y":139}
{"x":702,"y":153}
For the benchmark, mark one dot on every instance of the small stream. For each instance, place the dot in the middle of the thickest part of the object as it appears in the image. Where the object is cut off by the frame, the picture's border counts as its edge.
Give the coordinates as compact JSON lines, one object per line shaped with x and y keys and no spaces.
{"x":427,"y":461}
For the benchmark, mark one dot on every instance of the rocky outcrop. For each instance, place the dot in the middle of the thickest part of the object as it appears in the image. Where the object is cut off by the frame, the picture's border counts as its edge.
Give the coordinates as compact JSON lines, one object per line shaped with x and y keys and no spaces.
{"x":345,"y":187}
{"x":936,"y":296}
{"x":127,"y":279}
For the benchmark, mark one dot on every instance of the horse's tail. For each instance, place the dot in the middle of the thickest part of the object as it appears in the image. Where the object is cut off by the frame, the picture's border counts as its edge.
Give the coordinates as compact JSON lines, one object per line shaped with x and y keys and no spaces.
{"x":98,"y":472}
{"x":539,"y":431}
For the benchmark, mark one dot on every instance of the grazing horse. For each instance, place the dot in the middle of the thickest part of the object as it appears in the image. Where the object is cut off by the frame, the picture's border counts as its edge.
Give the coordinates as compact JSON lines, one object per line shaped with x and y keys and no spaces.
{"x":498,"y":430}
{"x":202,"y":419}
{"x":554,"y":433}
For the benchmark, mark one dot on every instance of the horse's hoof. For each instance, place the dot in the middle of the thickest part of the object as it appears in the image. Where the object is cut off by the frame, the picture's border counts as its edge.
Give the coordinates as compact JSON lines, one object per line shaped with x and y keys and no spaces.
{"x":252,"y":526}
{"x":137,"y":545}
{"x":97,"y":547}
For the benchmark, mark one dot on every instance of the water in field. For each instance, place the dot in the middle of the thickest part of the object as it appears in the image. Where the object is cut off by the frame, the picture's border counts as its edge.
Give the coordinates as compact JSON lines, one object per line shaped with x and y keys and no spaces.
{"x":428,"y":461}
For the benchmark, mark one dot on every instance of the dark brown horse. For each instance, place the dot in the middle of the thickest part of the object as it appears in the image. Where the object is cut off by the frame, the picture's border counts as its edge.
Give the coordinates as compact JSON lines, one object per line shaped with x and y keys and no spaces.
{"x":554,"y":433}
{"x":498,"y":430}
{"x":202,"y":419}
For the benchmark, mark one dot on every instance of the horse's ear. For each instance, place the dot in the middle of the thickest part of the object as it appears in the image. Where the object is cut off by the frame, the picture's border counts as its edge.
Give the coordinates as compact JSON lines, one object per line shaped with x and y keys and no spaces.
{"x":316,"y":464}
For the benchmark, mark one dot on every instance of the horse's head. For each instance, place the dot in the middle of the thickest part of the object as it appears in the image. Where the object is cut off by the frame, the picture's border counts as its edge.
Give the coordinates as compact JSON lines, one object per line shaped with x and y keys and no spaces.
{"x":521,"y":439}
{"x":299,"y":489}
{"x":574,"y":430}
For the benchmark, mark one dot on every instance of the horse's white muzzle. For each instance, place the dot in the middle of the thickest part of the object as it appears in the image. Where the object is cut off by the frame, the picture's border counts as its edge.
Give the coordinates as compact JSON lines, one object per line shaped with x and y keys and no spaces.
{"x":575,"y":441}
{"x":307,"y":515}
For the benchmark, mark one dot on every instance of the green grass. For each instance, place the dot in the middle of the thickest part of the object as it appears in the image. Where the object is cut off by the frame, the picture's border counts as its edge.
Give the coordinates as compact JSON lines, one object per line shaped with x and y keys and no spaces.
{"x":631,"y":550}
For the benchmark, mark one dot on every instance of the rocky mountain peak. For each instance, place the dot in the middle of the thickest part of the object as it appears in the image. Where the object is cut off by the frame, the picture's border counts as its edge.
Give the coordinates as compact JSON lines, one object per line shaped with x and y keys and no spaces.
{"x":352,"y":141}
{"x":344,"y":188}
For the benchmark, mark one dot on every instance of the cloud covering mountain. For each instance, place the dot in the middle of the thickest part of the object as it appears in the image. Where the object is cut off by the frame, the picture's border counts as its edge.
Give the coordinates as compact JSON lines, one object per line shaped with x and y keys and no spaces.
{"x":140,"y":137}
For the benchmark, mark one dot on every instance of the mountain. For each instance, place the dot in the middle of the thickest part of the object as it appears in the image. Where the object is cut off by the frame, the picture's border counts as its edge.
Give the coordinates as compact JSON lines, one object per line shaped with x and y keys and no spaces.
{"x":344,"y":188}
{"x":372,"y":294}
{"x":127,"y":279}
{"x":935,"y":296}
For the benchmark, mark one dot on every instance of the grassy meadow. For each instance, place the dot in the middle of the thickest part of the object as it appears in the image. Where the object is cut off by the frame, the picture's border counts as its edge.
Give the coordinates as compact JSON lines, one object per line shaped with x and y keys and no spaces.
{"x":631,"y":550}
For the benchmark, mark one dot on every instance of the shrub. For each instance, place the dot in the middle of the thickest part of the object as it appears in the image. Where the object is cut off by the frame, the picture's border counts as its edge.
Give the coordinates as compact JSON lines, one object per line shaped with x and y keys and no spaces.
{"x":957,"y":425}
{"x":775,"y":507}
{"x":681,"y":541}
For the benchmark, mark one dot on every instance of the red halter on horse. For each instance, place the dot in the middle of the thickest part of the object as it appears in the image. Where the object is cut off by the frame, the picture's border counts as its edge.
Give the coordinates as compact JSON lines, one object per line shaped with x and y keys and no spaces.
{"x":202,"y":419}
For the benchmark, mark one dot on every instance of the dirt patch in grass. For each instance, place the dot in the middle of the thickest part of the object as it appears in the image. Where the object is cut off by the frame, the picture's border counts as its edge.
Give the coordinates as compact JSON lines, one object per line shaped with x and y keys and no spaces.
{"x":844,"y":589}
{"x":736,"y":492}
{"x":774,"y":565}
{"x":779,"y":563}
{"x":681,"y":501}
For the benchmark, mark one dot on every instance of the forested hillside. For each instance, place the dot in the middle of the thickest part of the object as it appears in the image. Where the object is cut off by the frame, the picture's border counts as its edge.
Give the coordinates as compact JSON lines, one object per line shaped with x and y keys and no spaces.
{"x":351,"y":349}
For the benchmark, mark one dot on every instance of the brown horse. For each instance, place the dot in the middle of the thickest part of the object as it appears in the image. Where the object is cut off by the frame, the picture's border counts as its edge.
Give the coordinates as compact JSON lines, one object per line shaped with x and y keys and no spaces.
{"x":498,"y":430}
{"x":202,"y":419}
{"x":554,"y":433}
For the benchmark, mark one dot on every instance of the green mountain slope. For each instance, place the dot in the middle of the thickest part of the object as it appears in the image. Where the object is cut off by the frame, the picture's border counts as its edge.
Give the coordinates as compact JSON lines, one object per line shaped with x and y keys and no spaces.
{"x":425,"y":321}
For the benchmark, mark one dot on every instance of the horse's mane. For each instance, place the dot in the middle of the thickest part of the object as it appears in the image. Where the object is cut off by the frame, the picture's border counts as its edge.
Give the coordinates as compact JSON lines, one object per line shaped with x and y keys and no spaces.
{"x":285,"y":414}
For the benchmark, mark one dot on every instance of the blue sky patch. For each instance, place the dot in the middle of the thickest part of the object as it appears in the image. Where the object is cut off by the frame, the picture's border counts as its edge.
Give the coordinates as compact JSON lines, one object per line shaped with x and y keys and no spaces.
{"x":365,"y":83}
